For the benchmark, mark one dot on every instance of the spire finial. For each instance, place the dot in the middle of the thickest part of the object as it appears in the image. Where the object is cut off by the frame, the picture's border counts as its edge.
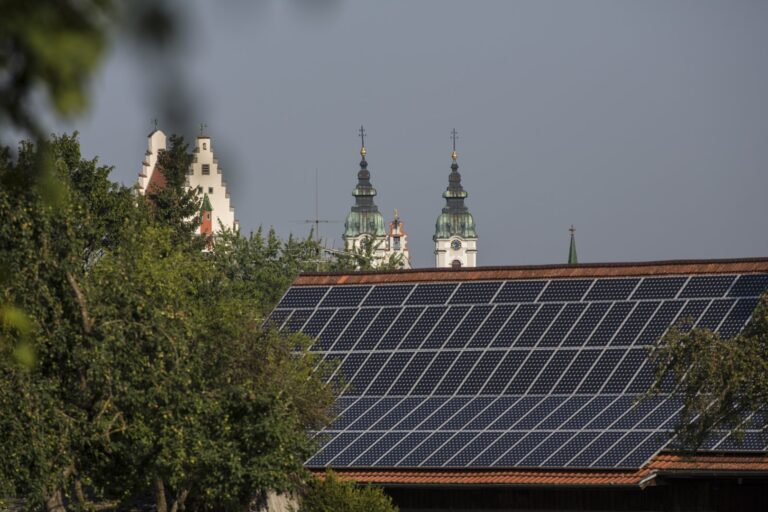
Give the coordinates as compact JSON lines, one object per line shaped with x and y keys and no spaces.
{"x":397,"y":214}
{"x":454,"y":136}
{"x":203,"y":126}
{"x":572,"y":258}
{"x":154,"y":121}
{"x":362,"y":142}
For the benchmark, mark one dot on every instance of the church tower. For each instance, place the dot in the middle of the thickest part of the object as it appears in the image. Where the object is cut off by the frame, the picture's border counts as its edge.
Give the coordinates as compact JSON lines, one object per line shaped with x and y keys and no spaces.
{"x":397,"y":241}
{"x":455,"y":236}
{"x":364,"y":221}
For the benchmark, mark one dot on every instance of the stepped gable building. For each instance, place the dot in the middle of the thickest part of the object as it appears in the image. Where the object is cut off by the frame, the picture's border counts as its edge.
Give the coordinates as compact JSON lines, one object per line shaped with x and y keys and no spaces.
{"x":455,"y":235}
{"x":365,"y":222}
{"x":517,"y":388}
{"x":205,"y":175}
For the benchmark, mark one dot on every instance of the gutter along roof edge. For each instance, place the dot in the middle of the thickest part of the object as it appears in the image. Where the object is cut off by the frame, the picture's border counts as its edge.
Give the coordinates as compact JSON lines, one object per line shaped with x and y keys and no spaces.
{"x":649,"y":268}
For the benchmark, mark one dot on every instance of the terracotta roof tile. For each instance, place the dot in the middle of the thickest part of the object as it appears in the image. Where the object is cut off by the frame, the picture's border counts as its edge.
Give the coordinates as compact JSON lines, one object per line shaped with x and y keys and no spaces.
{"x":541,"y":271}
{"x":661,"y":464}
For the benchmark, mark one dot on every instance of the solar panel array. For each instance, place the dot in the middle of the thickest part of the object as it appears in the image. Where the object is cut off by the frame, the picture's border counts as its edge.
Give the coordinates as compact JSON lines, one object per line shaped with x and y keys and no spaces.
{"x":519,"y":373}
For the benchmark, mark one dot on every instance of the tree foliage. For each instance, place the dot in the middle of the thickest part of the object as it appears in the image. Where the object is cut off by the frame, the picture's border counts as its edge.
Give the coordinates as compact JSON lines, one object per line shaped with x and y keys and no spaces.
{"x":152,"y":374}
{"x":721,"y":382}
{"x":331,"y":494}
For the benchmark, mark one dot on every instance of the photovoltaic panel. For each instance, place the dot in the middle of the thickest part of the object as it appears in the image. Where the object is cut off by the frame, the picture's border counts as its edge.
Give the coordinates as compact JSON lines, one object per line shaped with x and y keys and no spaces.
{"x":516,"y":373}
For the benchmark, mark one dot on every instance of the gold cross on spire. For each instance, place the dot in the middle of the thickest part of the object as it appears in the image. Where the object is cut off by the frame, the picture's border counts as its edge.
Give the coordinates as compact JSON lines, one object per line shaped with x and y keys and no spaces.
{"x":454,"y":136}
{"x":362,"y":141}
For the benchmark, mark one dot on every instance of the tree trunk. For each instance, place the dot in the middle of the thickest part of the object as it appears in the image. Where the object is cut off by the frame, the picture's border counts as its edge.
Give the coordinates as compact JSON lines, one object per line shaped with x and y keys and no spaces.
{"x":162,"y":504}
{"x":178,"y":504}
{"x":55,"y":503}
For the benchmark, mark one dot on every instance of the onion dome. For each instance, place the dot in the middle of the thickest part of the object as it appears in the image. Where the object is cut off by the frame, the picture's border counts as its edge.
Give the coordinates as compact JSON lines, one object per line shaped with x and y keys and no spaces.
{"x":455,"y":219}
{"x":364,"y":217}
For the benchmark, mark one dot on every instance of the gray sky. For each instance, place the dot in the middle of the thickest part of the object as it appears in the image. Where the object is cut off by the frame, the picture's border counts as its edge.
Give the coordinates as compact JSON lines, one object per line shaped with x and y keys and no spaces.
{"x":644,"y":123}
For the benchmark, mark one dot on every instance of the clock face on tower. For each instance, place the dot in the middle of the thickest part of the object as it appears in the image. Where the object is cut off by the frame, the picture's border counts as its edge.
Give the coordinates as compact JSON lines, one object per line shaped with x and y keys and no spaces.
{"x":456,"y":245}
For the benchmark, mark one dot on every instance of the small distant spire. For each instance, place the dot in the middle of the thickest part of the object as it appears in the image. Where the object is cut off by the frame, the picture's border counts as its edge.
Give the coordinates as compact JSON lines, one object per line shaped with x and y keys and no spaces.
{"x":203,"y":126}
{"x":154,"y":121}
{"x":362,"y":142}
{"x":572,"y":259}
{"x":454,"y":136}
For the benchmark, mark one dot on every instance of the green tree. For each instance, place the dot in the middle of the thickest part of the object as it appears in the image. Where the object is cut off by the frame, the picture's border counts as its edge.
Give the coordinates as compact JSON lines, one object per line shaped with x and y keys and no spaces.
{"x":330,"y":494}
{"x":171,"y":203}
{"x":363,"y":257}
{"x":721,"y":382}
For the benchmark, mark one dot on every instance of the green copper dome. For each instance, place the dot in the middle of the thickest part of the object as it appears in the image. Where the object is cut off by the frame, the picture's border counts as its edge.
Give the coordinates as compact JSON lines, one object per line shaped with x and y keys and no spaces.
{"x":455,"y":220}
{"x":364,"y":217}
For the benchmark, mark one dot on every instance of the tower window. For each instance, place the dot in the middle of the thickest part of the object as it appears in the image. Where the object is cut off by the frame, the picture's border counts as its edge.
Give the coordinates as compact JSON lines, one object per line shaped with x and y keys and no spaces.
{"x":210,"y":190}
{"x":455,"y":264}
{"x":199,"y":190}
{"x":396,"y":243}
{"x":205,"y":145}
{"x":206,"y":169}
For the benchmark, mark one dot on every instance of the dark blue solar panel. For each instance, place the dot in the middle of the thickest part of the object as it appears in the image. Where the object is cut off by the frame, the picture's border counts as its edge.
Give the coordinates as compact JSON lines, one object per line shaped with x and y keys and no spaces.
{"x":493,"y":323}
{"x":334,"y":327}
{"x":389,"y":373}
{"x":445,"y":326}
{"x":520,"y":291}
{"x":449,"y":449}
{"x":466,"y":329}
{"x":562,"y":290}
{"x":316,"y":324}
{"x":635,"y":323}
{"x":504,"y":373}
{"x":660,"y":322}
{"x":707,"y":286}
{"x":388,"y":295}
{"x":550,"y":375}
{"x":412,"y":373}
{"x":546,"y":449}
{"x":423,"y":327}
{"x":506,"y":381}
{"x":367,"y":372}
{"x":396,"y":414}
{"x":737,"y":317}
{"x":580,"y":366}
{"x":443,"y":414}
{"x":749,"y":285}
{"x":515,"y":413}
{"x":570,"y":449}
{"x":399,"y":328}
{"x":538,"y":325}
{"x":302,"y":297}
{"x":297,"y":319}
{"x":716,"y":313}
{"x":277,"y":317}
{"x":431,"y":293}
{"x":612,"y":289}
{"x":461,"y":368}
{"x":625,"y":371}
{"x":600,"y":372}
{"x":435,"y":373}
{"x":611,"y":323}
{"x":378,"y":449}
{"x":475,"y":293}
{"x":380,"y":325}
{"x":402,"y":448}
{"x":428,"y":447}
{"x":345,"y":296}
{"x":586,"y":324}
{"x":354,"y":329}
{"x":494,"y":451}
{"x":596,"y":450}
{"x":472,"y":449}
{"x":480,"y":373}
{"x":525,"y":446}
{"x":659,"y":288}
{"x":562,"y":325}
{"x":515,"y":325}
{"x":529,"y":371}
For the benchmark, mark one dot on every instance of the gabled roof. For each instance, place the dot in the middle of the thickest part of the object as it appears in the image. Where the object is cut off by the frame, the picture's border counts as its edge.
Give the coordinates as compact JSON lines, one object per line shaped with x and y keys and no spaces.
{"x":526,"y":372}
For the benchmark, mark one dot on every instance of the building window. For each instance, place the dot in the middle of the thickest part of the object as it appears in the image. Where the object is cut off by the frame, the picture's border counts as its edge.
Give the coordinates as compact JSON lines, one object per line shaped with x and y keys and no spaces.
{"x":199,"y":190}
{"x":455,"y":264}
{"x":206,"y":169}
{"x":396,"y":243}
{"x":205,"y":145}
{"x":210,"y":190}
